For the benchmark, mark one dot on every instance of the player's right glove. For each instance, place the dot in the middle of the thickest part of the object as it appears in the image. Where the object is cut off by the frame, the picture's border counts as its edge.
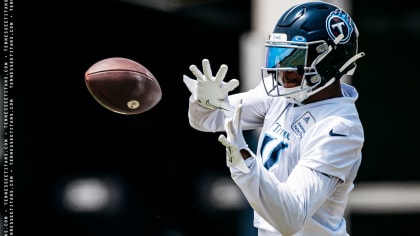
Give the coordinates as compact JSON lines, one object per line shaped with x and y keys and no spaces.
{"x":211,"y":92}
{"x":234,"y":141}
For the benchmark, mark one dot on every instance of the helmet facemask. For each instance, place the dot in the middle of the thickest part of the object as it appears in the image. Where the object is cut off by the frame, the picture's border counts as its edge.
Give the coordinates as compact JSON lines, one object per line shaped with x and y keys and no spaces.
{"x":295,"y":55}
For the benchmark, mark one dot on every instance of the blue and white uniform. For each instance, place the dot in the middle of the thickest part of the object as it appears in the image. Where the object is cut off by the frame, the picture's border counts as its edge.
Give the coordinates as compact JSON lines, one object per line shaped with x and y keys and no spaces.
{"x":305,"y":164}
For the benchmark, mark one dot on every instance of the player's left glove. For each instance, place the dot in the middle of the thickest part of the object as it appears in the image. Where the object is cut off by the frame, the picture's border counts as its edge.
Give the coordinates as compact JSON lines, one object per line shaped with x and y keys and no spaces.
{"x":210,"y":91}
{"x":235,"y":141}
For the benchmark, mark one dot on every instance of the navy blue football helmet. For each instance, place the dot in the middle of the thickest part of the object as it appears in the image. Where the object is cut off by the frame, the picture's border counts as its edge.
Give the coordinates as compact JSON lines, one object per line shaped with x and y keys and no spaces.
{"x":316,"y":39}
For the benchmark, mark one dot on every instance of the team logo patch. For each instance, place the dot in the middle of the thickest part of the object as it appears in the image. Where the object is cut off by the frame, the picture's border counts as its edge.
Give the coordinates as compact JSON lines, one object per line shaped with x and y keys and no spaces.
{"x":339,"y":22}
{"x":303,"y":124}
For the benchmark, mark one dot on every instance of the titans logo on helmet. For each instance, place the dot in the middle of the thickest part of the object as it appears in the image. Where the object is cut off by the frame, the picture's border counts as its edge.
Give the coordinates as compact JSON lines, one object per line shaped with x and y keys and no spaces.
{"x":339,"y":22}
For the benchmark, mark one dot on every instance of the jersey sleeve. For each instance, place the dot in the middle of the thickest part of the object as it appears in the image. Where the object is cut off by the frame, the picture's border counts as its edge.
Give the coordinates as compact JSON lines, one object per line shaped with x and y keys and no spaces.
{"x":255,"y":104}
{"x":285,"y":206}
{"x":203,"y":119}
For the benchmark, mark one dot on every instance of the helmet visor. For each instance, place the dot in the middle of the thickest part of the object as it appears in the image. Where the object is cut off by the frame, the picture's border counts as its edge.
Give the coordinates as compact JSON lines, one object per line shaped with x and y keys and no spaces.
{"x":281,"y":57}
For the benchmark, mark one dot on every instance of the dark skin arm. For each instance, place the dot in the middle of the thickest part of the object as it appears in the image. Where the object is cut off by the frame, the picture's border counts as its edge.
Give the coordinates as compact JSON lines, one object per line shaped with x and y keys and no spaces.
{"x":245,"y":154}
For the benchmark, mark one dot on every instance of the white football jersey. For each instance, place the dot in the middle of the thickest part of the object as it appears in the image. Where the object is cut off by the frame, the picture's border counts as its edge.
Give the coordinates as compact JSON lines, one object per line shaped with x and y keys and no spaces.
{"x":305,"y":163}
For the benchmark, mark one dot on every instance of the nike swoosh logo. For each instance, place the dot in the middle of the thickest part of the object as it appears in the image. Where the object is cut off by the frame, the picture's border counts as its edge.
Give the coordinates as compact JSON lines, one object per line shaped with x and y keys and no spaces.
{"x":335,"y":134}
{"x":208,"y":104}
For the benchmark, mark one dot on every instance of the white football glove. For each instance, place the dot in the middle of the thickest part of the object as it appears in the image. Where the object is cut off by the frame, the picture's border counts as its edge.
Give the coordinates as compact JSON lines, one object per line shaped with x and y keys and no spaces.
{"x":235,"y":141}
{"x":211,"y":92}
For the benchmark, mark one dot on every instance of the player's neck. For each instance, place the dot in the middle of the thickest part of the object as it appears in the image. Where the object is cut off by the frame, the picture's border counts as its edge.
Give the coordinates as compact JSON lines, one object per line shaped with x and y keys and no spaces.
{"x":332,"y":91}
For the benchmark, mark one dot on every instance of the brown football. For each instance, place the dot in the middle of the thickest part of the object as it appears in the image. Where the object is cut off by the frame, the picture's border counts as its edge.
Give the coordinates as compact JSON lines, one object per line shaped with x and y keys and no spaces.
{"x":123,"y":86}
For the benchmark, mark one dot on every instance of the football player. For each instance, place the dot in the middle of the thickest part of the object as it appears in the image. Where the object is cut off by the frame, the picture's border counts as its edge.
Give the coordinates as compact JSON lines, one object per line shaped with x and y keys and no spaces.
{"x":299,"y":178}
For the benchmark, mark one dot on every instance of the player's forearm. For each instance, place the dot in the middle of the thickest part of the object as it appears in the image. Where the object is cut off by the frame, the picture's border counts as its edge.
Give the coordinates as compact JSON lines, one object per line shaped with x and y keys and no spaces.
{"x":245,"y":154}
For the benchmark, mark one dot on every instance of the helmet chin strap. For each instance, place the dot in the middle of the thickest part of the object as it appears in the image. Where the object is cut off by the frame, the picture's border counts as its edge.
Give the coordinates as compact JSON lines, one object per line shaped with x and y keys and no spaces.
{"x":300,"y":93}
{"x":340,"y":72}
{"x":342,"y":68}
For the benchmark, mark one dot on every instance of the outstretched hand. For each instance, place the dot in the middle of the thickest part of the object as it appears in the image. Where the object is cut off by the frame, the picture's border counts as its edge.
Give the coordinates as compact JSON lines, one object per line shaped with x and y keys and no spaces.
{"x":210,"y":91}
